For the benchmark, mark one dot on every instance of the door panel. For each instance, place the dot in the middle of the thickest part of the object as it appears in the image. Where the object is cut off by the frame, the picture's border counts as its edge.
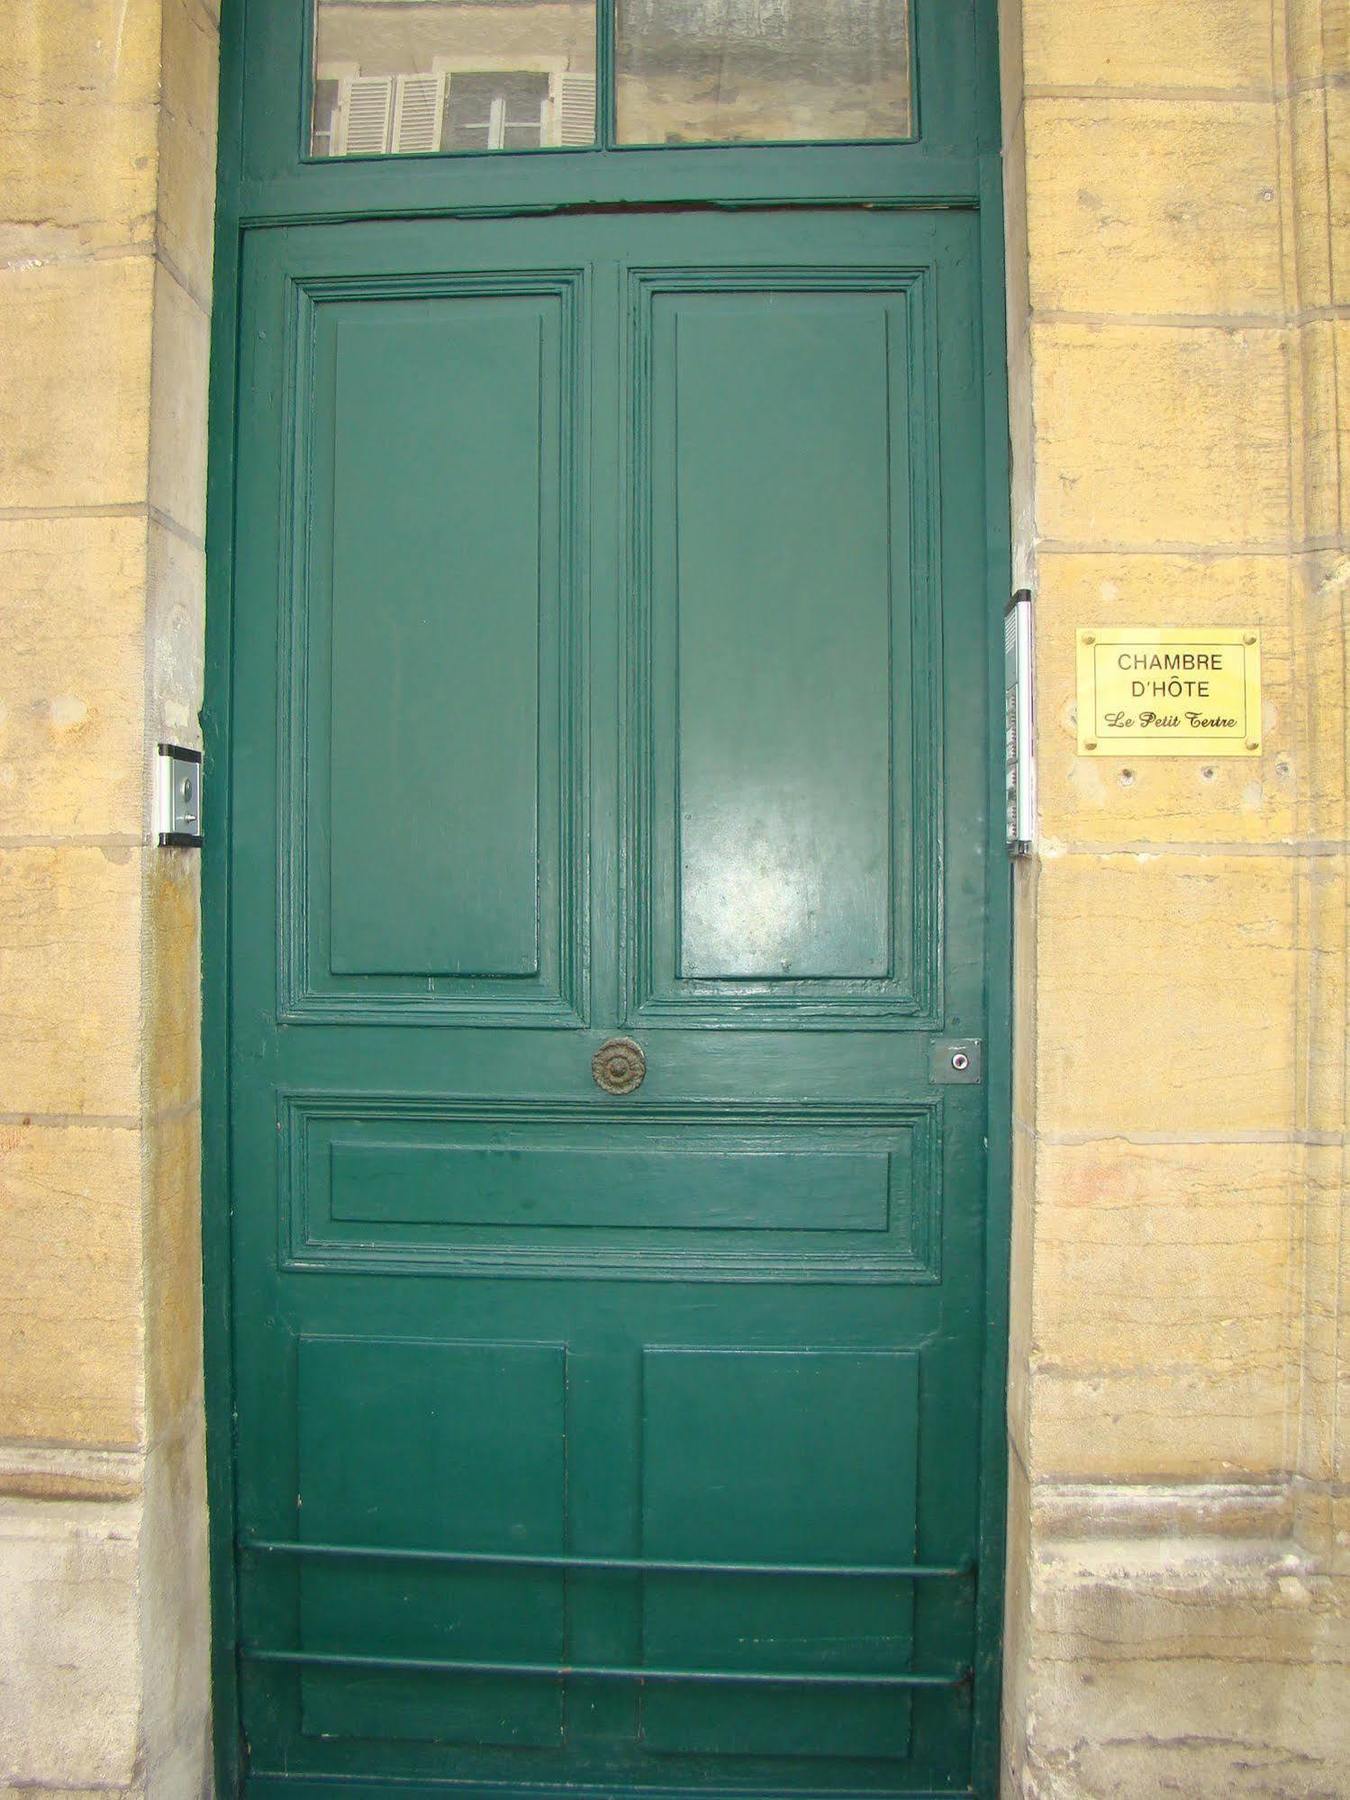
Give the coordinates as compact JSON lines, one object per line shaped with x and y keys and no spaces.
{"x":522,"y":1188}
{"x":437,"y":588}
{"x":591,"y":664}
{"x":773,"y":412}
{"x":788,"y":763}
{"x":785,"y":1456}
{"x":433,"y":734}
{"x":378,"y":1464}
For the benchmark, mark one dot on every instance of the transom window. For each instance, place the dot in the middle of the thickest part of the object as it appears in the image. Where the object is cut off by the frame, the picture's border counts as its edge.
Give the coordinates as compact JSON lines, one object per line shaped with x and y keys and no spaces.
{"x":416,"y":77}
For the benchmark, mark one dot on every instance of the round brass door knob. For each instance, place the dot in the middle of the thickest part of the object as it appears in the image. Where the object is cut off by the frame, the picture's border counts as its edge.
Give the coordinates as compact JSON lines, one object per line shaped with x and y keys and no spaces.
{"x":619,"y":1066}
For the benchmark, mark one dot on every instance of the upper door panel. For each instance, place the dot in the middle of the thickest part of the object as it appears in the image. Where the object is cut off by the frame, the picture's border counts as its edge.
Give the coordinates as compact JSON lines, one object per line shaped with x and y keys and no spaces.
{"x":432,"y":853}
{"x":785,"y":753}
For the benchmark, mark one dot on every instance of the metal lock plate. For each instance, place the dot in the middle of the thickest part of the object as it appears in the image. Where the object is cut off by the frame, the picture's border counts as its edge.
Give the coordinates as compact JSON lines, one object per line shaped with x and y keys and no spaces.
{"x":956,"y":1062}
{"x":178,"y":796}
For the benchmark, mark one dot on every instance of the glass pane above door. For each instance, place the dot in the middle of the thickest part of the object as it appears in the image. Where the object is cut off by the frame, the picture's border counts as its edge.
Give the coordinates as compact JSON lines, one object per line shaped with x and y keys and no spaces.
{"x":738,"y":71}
{"x":406,"y":77}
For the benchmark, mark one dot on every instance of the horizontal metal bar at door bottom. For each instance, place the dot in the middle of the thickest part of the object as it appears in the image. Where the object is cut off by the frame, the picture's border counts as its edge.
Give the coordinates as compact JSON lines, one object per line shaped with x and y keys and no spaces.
{"x":610,"y":1565}
{"x":430,"y":1665}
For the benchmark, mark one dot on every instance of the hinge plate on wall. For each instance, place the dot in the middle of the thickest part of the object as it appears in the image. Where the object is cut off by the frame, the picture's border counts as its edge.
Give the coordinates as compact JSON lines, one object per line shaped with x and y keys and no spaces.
{"x":178,"y":796}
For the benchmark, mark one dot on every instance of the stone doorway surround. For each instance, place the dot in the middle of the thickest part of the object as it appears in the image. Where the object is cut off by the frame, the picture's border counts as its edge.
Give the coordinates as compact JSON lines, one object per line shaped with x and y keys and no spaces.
{"x":1178,"y":187}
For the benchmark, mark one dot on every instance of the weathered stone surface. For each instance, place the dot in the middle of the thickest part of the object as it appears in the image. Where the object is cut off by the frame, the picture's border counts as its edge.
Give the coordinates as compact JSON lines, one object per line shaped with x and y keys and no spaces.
{"x":1216,"y":1671}
{"x":106,"y":154}
{"x":70,"y":1667}
{"x":1154,"y":207}
{"x":1165,"y":995}
{"x":72,"y":596}
{"x":70,"y":1303}
{"x":173,"y":984}
{"x":1180,"y":1193}
{"x":1162,"y":1289}
{"x":182,"y":336}
{"x":76,"y":74}
{"x":1148,"y":44}
{"x":187,"y":142}
{"x":175,"y":1634}
{"x":1159,"y":437}
{"x":173,"y":1270}
{"x":78,"y":335}
{"x":70,"y":968}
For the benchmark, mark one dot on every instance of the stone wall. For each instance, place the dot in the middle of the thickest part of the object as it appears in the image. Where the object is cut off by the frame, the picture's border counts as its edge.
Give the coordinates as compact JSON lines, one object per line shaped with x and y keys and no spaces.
{"x":1179,"y":185}
{"x":107,"y":148}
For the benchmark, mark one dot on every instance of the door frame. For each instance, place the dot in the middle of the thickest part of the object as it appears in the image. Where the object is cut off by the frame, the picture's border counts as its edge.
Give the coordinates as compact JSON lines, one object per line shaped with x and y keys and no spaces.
{"x":218,"y":1349}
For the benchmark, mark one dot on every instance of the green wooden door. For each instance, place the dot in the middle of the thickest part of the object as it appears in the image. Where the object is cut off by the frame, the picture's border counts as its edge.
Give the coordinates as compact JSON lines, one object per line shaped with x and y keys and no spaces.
{"x":608,"y":658}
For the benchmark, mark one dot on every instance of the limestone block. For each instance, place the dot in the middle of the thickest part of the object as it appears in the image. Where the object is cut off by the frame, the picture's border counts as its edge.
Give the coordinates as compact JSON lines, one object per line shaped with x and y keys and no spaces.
{"x":1154,"y":207}
{"x":1203,"y":1670}
{"x":1153,"y":1254}
{"x":1321,"y":413}
{"x":1017,"y":1609}
{"x":187,"y":142}
{"x":1321,"y":589}
{"x":175,"y":1614}
{"x":1086,"y":800}
{"x":71,"y":737}
{"x":173,"y":1273}
{"x":1025,"y":890}
{"x":1336,"y":101}
{"x":1166,"y":989}
{"x":1021,"y":1276}
{"x":1157,"y":437}
{"x":1323,"y":902}
{"x":1318,"y":34}
{"x":75,"y":383}
{"x":1310,"y":179}
{"x":70,"y":1284}
{"x":77,"y":130}
{"x":70,"y":1663}
{"x":1185,"y":1423}
{"x":1325,"y":1306}
{"x":178,"y":406}
{"x":1165,"y":1290}
{"x":69,"y":971}
{"x":1148,"y":43}
{"x":174,"y":631}
{"x":172,"y":1045}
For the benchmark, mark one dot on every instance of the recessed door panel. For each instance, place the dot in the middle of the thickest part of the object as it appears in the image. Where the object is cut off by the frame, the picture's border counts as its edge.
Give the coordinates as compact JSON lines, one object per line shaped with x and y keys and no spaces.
{"x":426,"y":1446}
{"x":447,"y":1188}
{"x":784,"y":593}
{"x":434,"y":736}
{"x":782,"y":1457}
{"x":436,"y":615}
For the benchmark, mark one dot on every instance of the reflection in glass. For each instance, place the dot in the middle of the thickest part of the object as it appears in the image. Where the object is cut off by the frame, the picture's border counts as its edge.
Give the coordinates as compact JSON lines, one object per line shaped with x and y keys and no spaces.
{"x":729,"y":71}
{"x":398,"y":77}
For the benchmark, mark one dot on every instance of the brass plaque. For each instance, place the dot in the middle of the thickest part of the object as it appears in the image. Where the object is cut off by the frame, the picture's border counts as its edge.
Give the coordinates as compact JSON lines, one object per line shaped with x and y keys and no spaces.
{"x":1145,"y":692}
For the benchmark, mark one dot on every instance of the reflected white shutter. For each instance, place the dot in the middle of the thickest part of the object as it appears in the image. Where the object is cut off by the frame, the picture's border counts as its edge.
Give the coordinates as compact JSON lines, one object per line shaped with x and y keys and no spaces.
{"x":368,"y":109}
{"x":419,"y":102}
{"x":573,"y":97}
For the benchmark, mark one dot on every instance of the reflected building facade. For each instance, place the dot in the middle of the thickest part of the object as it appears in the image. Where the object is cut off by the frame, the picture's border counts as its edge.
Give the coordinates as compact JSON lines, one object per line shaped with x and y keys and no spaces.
{"x":400,"y":78}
